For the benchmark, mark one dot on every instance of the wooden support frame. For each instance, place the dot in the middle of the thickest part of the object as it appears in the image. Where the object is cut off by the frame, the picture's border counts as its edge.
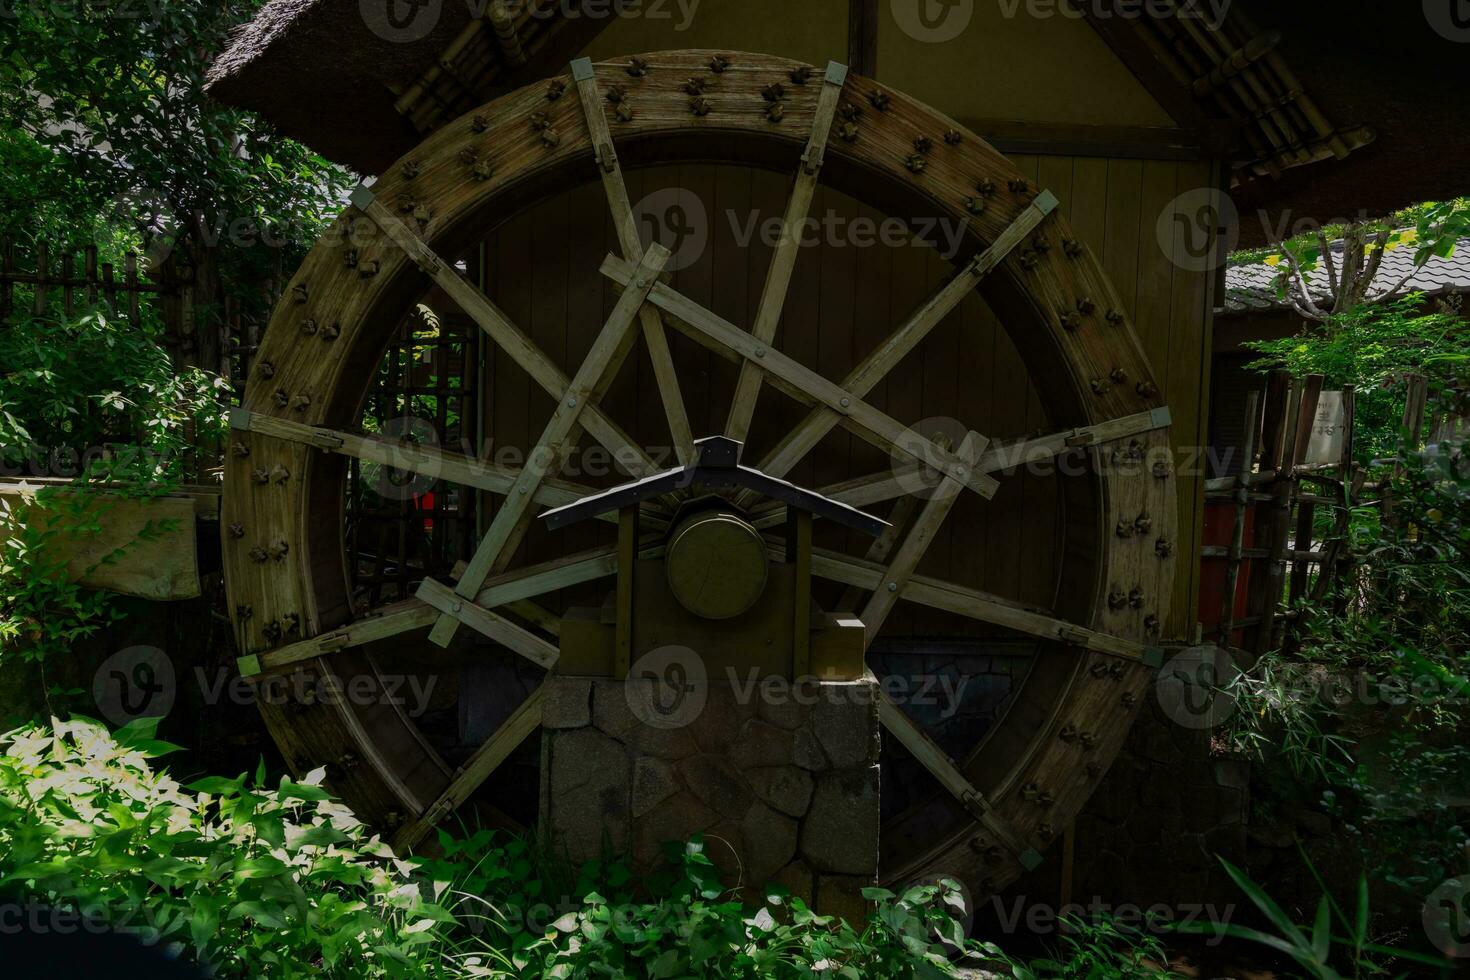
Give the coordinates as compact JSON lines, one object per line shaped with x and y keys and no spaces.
{"x":626,"y":224}
{"x":877,"y":365}
{"x":932,"y":757}
{"x":559,"y":436}
{"x":520,"y":726}
{"x":488,"y":623}
{"x":506,"y":334}
{"x":788,"y":247}
{"x":920,"y":535}
{"x":801,"y":382}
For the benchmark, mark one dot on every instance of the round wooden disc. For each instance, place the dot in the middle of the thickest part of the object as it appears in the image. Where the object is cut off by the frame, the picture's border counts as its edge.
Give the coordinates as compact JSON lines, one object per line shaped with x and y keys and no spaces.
{"x":716,"y":564}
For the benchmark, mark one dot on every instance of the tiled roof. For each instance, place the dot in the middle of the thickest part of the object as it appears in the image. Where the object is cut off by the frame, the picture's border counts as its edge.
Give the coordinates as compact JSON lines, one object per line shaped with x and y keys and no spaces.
{"x":1252,"y":288}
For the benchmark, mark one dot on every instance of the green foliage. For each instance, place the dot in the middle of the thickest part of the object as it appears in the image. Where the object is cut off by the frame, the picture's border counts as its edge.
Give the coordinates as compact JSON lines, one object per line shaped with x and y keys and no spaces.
{"x":1335,"y":940}
{"x":247,"y":879}
{"x":1372,"y":706}
{"x":92,"y":396}
{"x":1373,"y":348}
{"x":1432,"y":228}
{"x":110,"y":137}
{"x":119,"y":414}
{"x":1093,"y":949}
{"x":683,"y":922}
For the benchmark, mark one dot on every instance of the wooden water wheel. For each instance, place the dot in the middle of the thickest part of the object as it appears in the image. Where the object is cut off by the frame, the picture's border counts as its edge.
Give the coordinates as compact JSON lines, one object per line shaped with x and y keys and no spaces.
{"x":998,"y":802}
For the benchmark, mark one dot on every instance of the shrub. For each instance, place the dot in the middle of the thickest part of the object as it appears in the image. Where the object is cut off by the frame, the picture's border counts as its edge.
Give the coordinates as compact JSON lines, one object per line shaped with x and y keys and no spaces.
{"x":243,"y":878}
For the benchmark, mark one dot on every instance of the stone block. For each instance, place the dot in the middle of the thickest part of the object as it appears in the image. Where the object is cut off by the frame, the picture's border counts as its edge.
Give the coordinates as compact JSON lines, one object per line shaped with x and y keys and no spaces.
{"x":798,"y":879}
{"x":786,"y":788}
{"x":718,"y":784}
{"x":762,"y":744}
{"x":654,"y":781}
{"x":845,"y":721}
{"x":767,"y":842}
{"x":568,"y":702}
{"x":677,"y":818}
{"x":840,"y":832}
{"x":589,"y":784}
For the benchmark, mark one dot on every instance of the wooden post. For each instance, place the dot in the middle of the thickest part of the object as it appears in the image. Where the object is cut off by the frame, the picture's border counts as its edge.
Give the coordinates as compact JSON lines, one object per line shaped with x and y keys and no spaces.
{"x":89,"y":261}
{"x":799,"y":552}
{"x":1242,"y":505}
{"x":38,"y":302}
{"x":627,"y":568}
{"x":67,"y":275}
{"x":7,"y":271}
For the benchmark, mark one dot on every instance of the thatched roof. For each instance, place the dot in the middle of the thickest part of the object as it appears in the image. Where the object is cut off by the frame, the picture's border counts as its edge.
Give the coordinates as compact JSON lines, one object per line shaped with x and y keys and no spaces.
{"x":319,"y":72}
{"x":342,"y":78}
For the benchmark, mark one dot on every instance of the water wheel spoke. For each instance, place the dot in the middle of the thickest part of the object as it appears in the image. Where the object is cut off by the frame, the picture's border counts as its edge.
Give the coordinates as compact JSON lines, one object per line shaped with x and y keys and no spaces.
{"x":625,"y":222}
{"x":788,"y":247}
{"x":525,"y":721}
{"x":916,"y":542}
{"x":510,"y":338}
{"x":980,"y":606}
{"x":414,"y":614}
{"x":427,"y":461}
{"x":802,"y":382}
{"x":941,"y":767}
{"x":792,"y":449}
{"x":898,"y":519}
{"x":903,"y":479}
{"x":557,"y":440}
{"x":488,"y":623}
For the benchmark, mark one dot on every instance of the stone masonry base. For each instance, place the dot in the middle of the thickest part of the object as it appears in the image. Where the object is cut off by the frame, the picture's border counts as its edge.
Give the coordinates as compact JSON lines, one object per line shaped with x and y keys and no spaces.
{"x":782,"y":781}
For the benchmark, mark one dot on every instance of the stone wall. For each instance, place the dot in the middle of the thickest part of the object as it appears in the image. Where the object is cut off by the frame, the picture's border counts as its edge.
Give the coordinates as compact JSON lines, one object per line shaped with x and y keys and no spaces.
{"x":783,"y":786}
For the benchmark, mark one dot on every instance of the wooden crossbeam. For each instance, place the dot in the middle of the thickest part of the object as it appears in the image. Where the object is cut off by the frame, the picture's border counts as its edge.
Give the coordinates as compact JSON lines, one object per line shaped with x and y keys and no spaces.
{"x":878,"y":551}
{"x":800,"y":381}
{"x":876,"y":488}
{"x":932,"y":758}
{"x":906,"y":560}
{"x":921,"y":322}
{"x":413,"y":614}
{"x":426,"y":460}
{"x":788,"y":247}
{"x":625,"y":222}
{"x":489,"y":623}
{"x":981,"y":606}
{"x":556,"y":440}
{"x":510,"y":338}
{"x":525,"y":722}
